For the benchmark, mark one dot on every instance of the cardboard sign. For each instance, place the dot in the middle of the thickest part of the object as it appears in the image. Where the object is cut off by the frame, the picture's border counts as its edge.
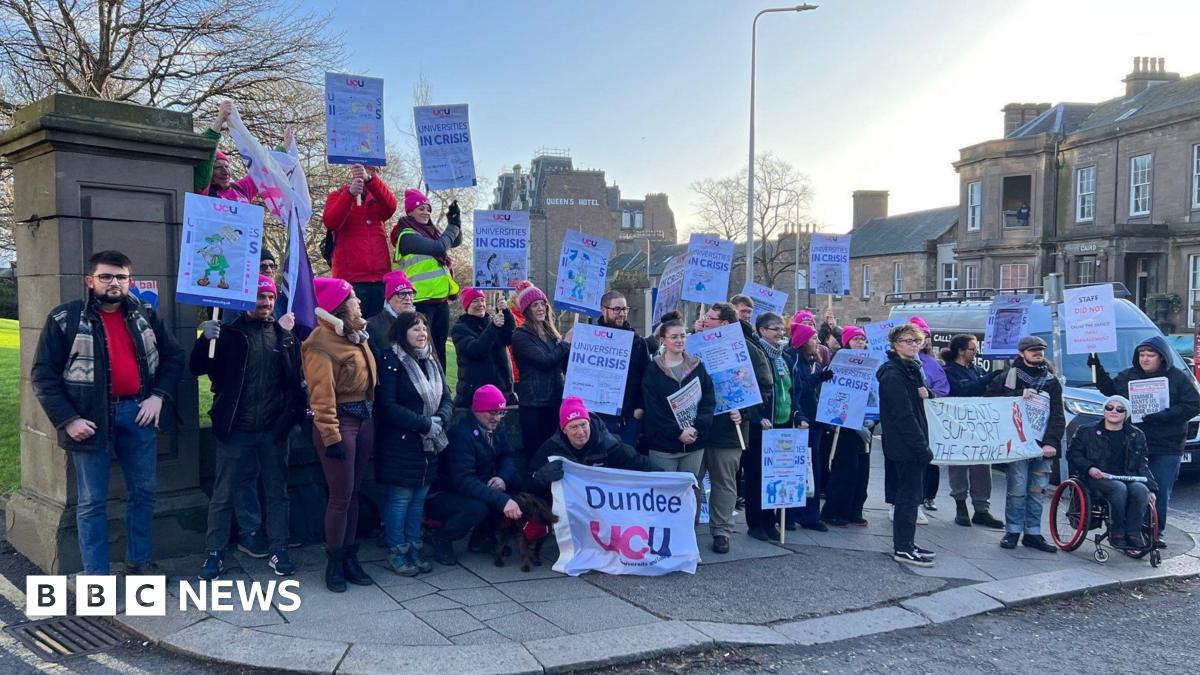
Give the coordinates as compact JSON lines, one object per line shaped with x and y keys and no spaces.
{"x":829,"y":263}
{"x":218,"y":254}
{"x":726,"y":357}
{"x":354,"y":120}
{"x":444,"y":140}
{"x":501,"y":254}
{"x":597,"y":367}
{"x":709,"y":260}
{"x":582,"y":273}
{"x":785,"y":458}
{"x":1090,"y":319}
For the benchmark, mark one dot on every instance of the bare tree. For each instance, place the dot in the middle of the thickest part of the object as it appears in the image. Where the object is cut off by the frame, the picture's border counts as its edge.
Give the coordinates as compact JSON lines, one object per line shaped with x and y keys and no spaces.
{"x":782,"y":197}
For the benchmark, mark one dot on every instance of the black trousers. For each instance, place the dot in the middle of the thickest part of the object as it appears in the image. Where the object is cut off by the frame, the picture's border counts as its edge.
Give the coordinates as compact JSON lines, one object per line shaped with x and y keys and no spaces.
{"x":930,"y":479}
{"x":458,"y":515}
{"x":538,"y":423}
{"x":438,"y":314}
{"x":846,"y":491}
{"x":908,"y":479}
{"x":933,"y":477}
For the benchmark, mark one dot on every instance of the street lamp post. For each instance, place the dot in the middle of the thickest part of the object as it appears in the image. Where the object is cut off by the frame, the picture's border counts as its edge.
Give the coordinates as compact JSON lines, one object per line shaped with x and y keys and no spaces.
{"x":750,"y":175}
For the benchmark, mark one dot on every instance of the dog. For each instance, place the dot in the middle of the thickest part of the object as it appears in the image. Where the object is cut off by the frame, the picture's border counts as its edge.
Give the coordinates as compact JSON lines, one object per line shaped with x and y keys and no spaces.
{"x":531,"y":529}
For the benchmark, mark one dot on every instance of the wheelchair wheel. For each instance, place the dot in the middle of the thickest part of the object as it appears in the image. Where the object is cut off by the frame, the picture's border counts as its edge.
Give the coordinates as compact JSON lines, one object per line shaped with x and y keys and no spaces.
{"x":1150,"y":535}
{"x":1069,"y":515}
{"x":1155,"y":558}
{"x":1100,"y":555}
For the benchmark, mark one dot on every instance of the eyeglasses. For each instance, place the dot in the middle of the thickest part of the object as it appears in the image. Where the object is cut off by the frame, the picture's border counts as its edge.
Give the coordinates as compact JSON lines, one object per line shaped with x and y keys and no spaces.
{"x":1114,"y":408}
{"x":109,"y":278}
{"x":268,"y":266}
{"x":618,"y":310}
{"x":910,"y":341}
{"x":774,"y":329}
{"x":495,"y":413}
{"x":405,"y":294}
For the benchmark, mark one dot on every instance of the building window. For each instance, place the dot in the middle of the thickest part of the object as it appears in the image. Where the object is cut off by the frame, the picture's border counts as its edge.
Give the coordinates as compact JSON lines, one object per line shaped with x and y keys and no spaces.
{"x":1014,"y":275}
{"x":972,"y":277}
{"x":1140,"y":168}
{"x":898,"y":278}
{"x":1085,"y":194}
{"x":866,"y":281}
{"x":973,"y":206}
{"x":950,"y":276}
{"x":1086,"y":274}
{"x":1196,"y":176}
{"x":1193,"y":287}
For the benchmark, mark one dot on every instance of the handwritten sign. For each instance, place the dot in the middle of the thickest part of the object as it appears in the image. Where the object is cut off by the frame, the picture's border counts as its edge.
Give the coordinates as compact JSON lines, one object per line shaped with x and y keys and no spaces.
{"x":1090,"y":319}
{"x":970,"y":430}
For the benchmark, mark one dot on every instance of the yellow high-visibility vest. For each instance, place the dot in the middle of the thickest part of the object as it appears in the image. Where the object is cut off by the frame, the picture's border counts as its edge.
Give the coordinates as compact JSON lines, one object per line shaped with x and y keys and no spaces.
{"x":430,"y":279}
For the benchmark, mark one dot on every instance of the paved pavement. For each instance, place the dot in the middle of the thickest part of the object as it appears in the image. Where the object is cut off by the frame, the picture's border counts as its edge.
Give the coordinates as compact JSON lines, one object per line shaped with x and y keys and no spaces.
{"x":815,"y":589}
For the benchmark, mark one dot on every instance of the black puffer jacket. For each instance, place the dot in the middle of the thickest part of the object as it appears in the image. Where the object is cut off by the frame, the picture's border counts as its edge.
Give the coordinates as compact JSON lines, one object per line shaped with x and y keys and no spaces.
{"x":660,"y":431}
{"x":602,"y":449}
{"x":902,"y":411}
{"x":1166,"y":431}
{"x":542,"y":364}
{"x":1008,"y":383}
{"x":482,"y":349}
{"x":1090,"y":448}
{"x":471,"y":461}
{"x":400,"y":457}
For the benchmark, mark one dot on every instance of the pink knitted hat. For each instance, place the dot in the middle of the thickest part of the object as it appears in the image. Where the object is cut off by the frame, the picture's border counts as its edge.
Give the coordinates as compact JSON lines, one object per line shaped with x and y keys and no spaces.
{"x":265,"y":284}
{"x":851,"y":332}
{"x":487,"y":398}
{"x":572,"y":409}
{"x":920,"y":323}
{"x":802,"y":333}
{"x":221,"y":157}
{"x":802,"y":316}
{"x":394,"y":281}
{"x":528,"y":296}
{"x":413,"y":199}
{"x":331,"y":292}
{"x":468,"y":295}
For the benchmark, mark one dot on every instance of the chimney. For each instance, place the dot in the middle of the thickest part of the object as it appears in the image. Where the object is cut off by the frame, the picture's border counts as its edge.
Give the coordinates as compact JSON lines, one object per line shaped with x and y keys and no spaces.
{"x":869,"y":204}
{"x":1017,"y":114}
{"x":1148,"y":71}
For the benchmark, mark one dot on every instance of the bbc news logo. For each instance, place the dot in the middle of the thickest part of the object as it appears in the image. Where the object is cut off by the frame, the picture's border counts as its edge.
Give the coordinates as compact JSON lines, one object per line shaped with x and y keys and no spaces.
{"x":96,"y":595}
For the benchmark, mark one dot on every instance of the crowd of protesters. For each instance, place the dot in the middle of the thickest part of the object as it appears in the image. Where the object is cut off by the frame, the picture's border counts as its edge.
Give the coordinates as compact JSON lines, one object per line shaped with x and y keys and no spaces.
{"x":372,"y":376}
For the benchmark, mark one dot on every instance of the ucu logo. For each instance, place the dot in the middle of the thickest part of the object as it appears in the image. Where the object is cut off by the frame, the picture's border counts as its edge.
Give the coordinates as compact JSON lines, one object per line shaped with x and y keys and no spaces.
{"x":603,"y":333}
{"x":764,"y":293}
{"x":712,"y":242}
{"x":633,"y":542}
{"x":501,"y":216}
{"x":590,"y":242}
{"x":441,"y":112}
{"x":225,"y":208}
{"x":716,"y":335}
{"x":356,"y":83}
{"x":855,"y":360}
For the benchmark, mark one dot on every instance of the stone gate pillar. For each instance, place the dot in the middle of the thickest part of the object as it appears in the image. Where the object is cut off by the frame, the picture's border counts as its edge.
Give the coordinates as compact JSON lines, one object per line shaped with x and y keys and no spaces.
{"x":93,"y":175}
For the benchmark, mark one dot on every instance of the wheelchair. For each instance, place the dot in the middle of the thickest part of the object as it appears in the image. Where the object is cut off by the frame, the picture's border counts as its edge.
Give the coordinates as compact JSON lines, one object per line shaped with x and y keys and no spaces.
{"x":1075,"y":511}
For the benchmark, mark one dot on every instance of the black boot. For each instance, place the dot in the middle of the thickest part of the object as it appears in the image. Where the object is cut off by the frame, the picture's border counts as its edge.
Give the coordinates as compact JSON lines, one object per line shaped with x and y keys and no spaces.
{"x":334,"y":580}
{"x":416,"y":555}
{"x":352,"y":569}
{"x":443,"y":552}
{"x":961,"y":517}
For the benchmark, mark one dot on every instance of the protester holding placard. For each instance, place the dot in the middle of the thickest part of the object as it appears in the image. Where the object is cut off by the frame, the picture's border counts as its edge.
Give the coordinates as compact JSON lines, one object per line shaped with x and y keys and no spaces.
{"x":807,"y":318}
{"x":935,"y":379}
{"x":583,"y":439}
{"x":355,"y":216}
{"x":850,"y":472}
{"x":481,"y":343}
{"x":340,"y":370}
{"x":398,"y":299}
{"x":1165,"y":430}
{"x":1115,"y":447}
{"x":220,"y":182}
{"x":1030,"y":374}
{"x":614,"y":313}
{"x":902,"y":392}
{"x":424,"y":254}
{"x":968,"y":379}
{"x":802,"y":361}
{"x":541,"y":354}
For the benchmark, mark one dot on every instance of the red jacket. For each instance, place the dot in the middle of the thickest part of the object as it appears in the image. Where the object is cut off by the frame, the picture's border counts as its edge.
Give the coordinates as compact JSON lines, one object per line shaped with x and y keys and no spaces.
{"x":360,"y":251}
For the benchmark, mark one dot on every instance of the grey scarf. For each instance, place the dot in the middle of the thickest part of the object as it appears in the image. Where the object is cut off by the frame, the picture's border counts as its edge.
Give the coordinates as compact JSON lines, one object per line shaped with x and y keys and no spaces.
{"x":426,"y":376}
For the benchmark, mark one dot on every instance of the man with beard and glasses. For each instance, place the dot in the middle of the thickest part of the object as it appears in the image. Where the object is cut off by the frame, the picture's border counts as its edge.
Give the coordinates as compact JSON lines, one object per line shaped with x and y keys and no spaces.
{"x":104,"y":367}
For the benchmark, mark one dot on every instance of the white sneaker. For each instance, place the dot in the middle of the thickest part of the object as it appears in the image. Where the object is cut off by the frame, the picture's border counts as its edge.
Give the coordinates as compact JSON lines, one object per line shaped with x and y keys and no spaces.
{"x":891,"y":513}
{"x":922,"y":519}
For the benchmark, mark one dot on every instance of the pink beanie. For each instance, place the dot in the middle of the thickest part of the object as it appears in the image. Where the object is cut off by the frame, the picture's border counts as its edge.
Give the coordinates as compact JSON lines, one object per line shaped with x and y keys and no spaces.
{"x":487,"y":398}
{"x":413,"y":199}
{"x":331,"y":292}
{"x":802,"y":315}
{"x":265,"y":284}
{"x":394,"y":281}
{"x":920,"y":323}
{"x":529,"y":295}
{"x":468,"y":295}
{"x":802,"y":333}
{"x":221,"y":157}
{"x":851,"y":332}
{"x":572,"y":409}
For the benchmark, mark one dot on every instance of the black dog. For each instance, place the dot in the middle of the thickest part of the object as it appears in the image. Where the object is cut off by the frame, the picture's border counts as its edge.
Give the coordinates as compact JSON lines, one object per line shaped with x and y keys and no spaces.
{"x":532,"y":527}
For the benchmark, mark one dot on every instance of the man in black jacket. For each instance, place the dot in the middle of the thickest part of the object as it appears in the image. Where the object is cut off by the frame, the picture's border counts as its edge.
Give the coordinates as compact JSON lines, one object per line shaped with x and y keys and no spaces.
{"x":1031,"y":375}
{"x":614,"y":313}
{"x":1165,"y":430}
{"x":103,"y":369}
{"x":476,"y":478}
{"x":581,"y":438}
{"x":259,"y":396}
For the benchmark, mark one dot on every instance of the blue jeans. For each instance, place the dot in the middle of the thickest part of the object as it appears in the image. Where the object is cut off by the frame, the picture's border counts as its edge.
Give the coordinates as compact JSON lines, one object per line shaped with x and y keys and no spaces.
{"x":1127,"y":504}
{"x":1027,"y":481}
{"x":1165,"y":469}
{"x":403,"y":513}
{"x":626,"y":429}
{"x":136,"y":449}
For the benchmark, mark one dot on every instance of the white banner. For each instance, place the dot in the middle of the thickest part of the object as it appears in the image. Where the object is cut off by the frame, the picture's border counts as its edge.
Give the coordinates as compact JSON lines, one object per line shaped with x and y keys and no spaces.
{"x":582,"y":273}
{"x":218,"y":254}
{"x":706,"y":277}
{"x":1091,"y":319}
{"x":501,"y":255}
{"x":597,"y":367}
{"x":829,"y":262}
{"x":1007,"y":323}
{"x":1148,"y":397}
{"x":726,"y":358}
{"x":444,"y":139}
{"x":354,"y":120}
{"x":624,"y":522}
{"x":974,"y":430}
{"x":785,"y":458}
{"x":766,"y":299}
{"x":845,"y":399}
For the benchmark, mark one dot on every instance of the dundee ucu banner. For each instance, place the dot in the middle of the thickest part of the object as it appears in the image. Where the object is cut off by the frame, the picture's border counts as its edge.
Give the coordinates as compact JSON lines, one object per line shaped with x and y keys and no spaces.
{"x":624,"y":522}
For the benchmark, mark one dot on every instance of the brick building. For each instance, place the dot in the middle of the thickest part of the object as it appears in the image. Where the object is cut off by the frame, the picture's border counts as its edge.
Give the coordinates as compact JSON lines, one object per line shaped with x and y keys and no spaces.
{"x":1113,"y":190}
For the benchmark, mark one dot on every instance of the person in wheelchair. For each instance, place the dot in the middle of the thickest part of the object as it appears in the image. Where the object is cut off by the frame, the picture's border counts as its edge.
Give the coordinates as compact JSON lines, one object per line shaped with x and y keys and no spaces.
{"x":1114,"y":447}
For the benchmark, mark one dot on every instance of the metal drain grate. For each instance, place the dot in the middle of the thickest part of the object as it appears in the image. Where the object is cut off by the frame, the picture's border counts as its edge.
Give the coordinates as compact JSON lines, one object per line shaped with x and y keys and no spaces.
{"x":64,"y":637}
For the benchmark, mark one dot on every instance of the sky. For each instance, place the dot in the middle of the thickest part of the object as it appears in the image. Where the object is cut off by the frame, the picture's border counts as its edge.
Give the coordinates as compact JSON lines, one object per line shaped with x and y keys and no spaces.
{"x":858,"y":94}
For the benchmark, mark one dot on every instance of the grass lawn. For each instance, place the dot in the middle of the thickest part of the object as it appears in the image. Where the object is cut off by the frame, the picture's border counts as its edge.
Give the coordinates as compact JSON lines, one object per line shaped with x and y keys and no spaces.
{"x":10,"y":426}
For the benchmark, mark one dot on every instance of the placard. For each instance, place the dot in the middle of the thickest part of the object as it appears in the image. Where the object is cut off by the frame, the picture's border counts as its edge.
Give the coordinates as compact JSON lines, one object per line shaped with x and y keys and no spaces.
{"x":829,"y":262}
{"x":670,"y":287}
{"x":726,"y":357}
{"x":1090,"y":319}
{"x":1007,"y":323}
{"x":877,"y":334}
{"x":977,"y":430}
{"x":597,"y":367}
{"x":146,"y":291}
{"x":582,"y":273}
{"x":219,"y":252}
{"x":501,"y":254}
{"x":706,"y":277}
{"x":1148,"y":396}
{"x":444,"y":142}
{"x":354,"y":120}
{"x":845,"y":399}
{"x":766,"y":299}
{"x":785,"y":458}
